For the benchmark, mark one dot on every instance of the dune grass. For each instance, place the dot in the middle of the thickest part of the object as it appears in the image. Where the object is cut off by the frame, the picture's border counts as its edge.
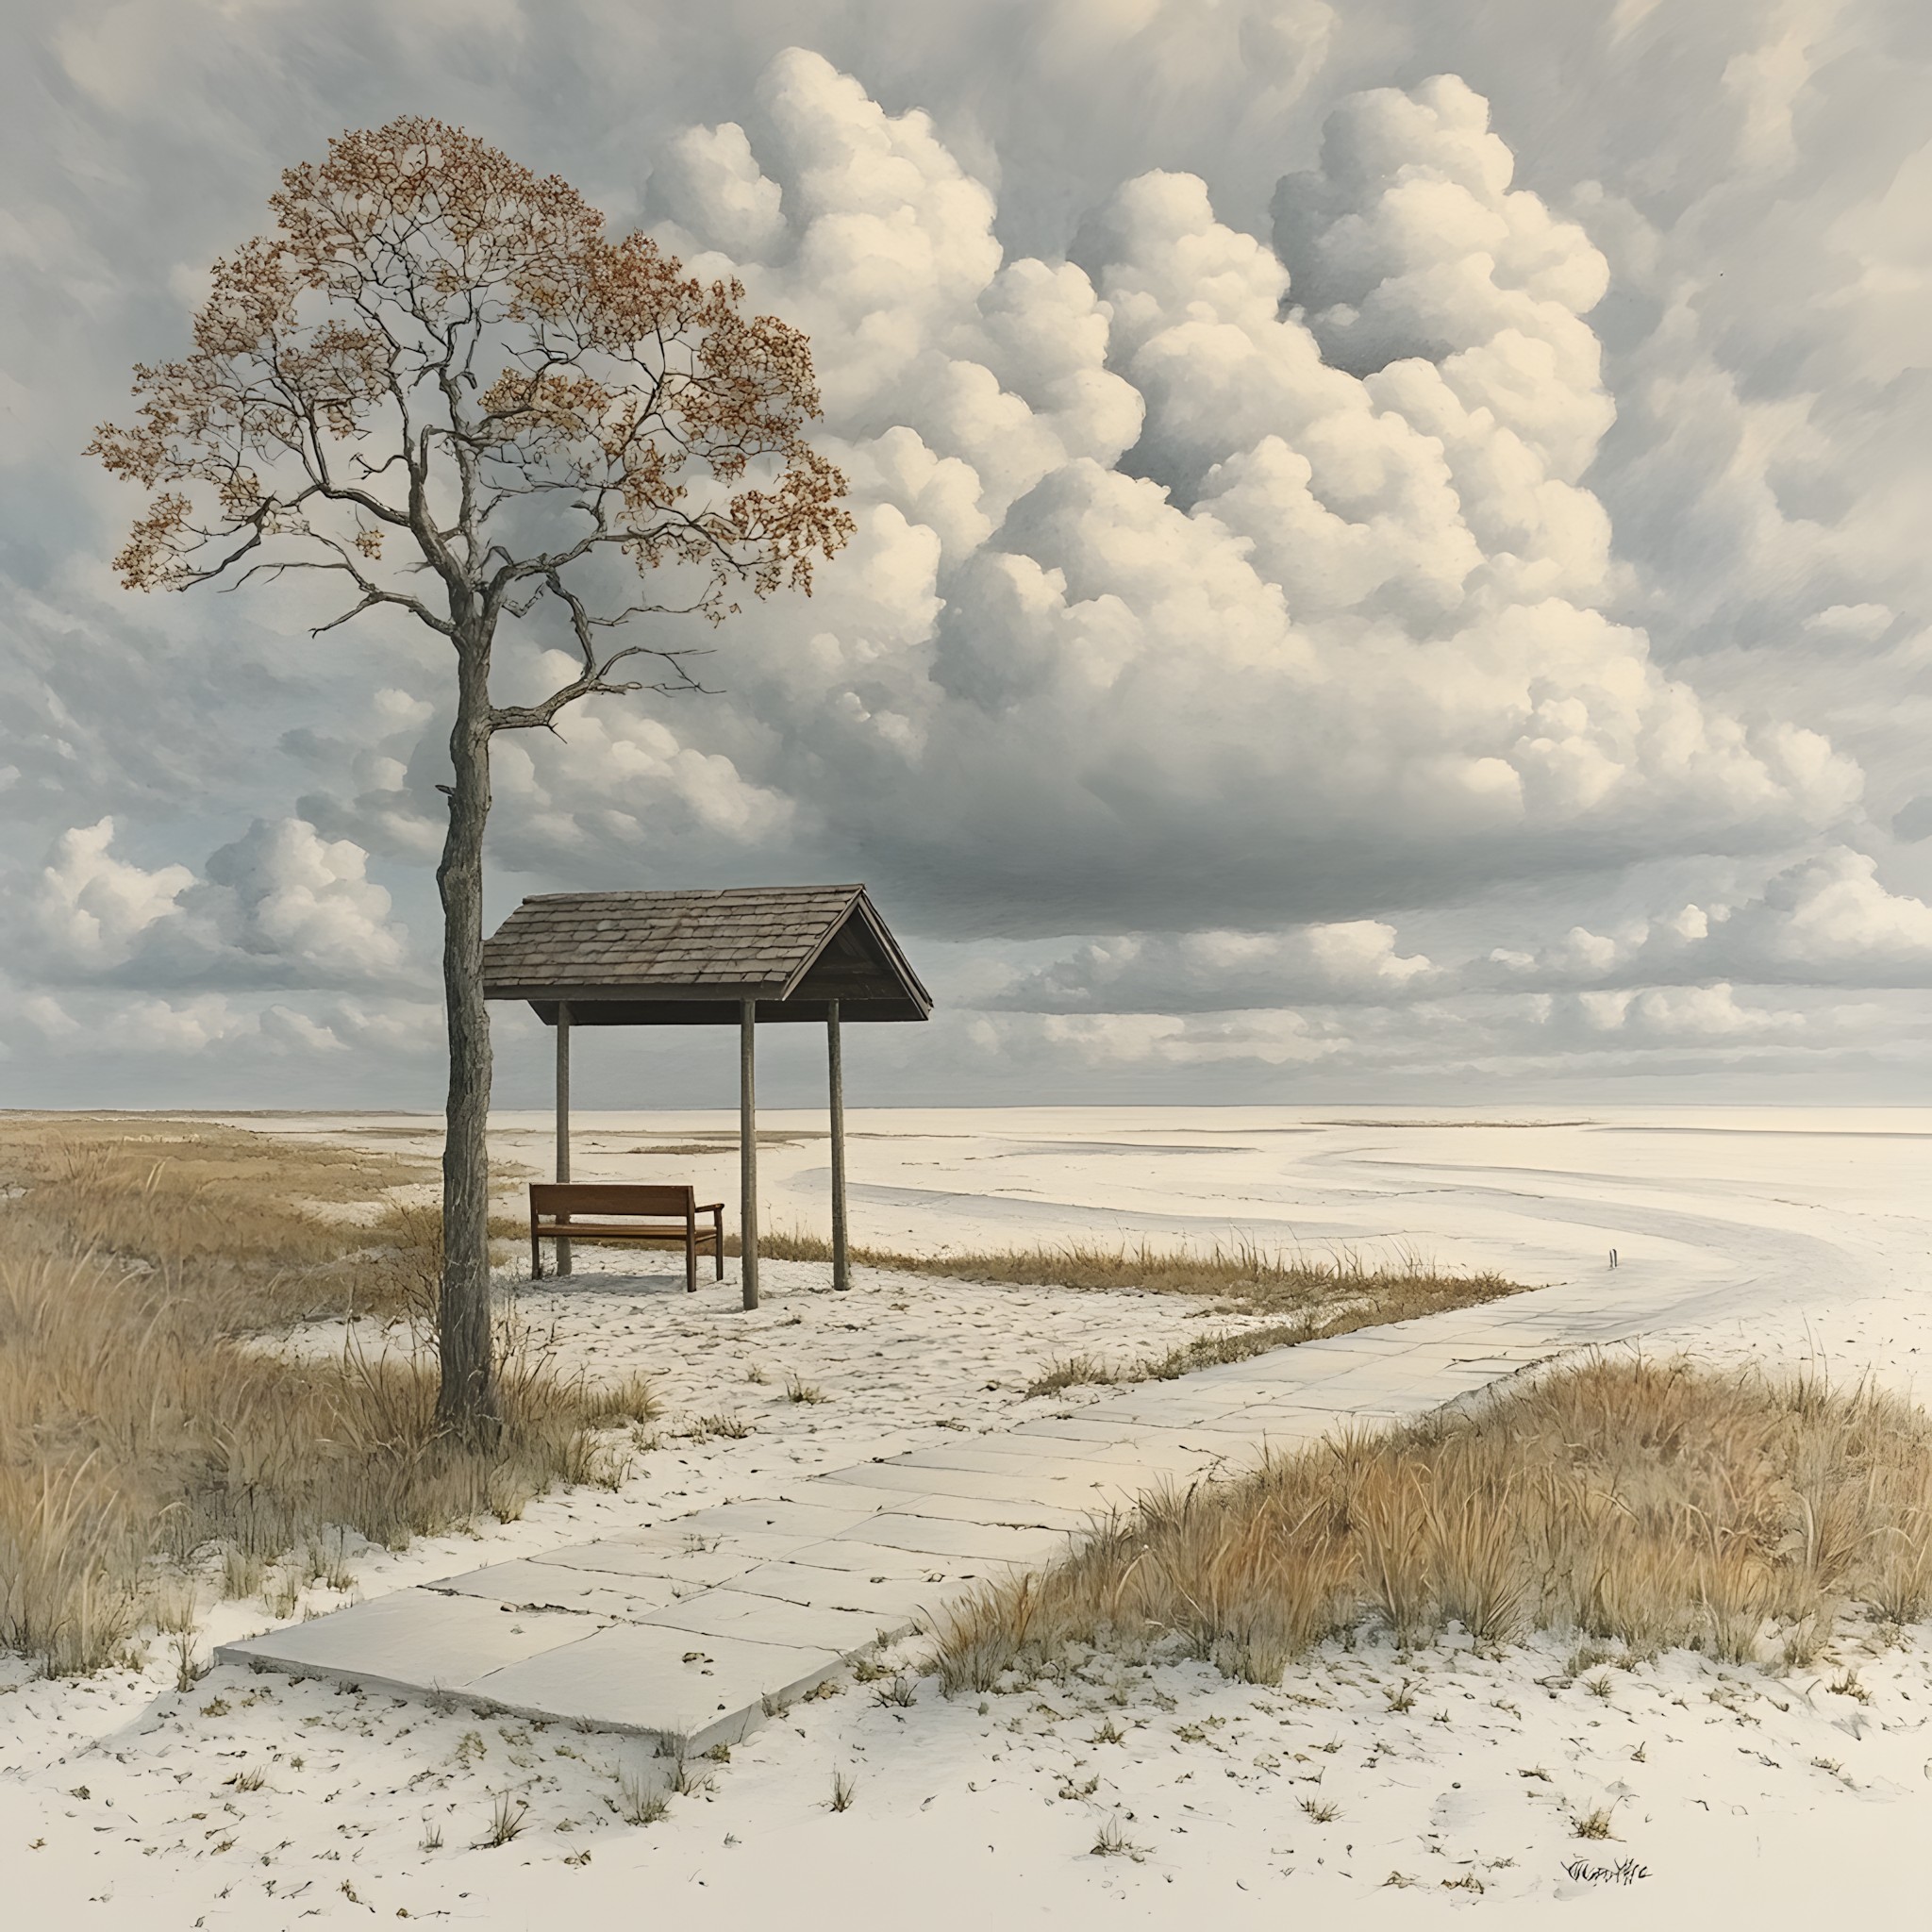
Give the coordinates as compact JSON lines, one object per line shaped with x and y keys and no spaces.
{"x":1315,"y":1296}
{"x":152,"y":1448}
{"x":1653,"y":1504}
{"x":1240,"y":1274}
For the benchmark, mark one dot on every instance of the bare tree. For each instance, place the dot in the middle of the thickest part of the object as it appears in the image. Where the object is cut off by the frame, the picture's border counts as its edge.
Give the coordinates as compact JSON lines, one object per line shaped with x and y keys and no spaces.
{"x":442,"y":385}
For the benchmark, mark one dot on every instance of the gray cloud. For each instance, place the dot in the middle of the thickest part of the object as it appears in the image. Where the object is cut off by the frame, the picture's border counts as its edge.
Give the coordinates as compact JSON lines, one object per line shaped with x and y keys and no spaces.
{"x":1303,"y":504}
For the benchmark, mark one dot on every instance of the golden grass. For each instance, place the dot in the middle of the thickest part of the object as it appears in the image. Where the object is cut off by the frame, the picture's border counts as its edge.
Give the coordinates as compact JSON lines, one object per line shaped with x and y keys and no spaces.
{"x":1652,"y":1505}
{"x":148,"y":1442}
{"x":1246,"y":1278}
{"x":1317,"y":1295}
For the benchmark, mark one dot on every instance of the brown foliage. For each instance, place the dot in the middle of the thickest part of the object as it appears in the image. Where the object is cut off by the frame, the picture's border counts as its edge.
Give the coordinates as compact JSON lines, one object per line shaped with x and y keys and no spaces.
{"x":435,"y":341}
{"x":438,"y":348}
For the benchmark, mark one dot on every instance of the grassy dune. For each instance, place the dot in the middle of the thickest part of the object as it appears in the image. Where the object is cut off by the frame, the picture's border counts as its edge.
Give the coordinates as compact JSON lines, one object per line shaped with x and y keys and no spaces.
{"x":1649,"y":1505}
{"x":152,"y":1450}
{"x":1312,"y":1296}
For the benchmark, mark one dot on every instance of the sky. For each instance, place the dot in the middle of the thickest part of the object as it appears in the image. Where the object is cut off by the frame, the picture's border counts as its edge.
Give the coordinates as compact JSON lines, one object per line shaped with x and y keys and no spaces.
{"x":1391,"y":556}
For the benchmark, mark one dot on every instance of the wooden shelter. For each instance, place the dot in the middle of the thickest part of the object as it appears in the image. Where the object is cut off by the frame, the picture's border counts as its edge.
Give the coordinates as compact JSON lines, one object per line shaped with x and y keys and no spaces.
{"x":744,"y":956}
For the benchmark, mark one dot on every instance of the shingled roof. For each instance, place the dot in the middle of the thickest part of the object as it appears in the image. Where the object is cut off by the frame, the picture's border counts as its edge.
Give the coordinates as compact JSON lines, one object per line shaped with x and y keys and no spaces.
{"x":691,"y":958}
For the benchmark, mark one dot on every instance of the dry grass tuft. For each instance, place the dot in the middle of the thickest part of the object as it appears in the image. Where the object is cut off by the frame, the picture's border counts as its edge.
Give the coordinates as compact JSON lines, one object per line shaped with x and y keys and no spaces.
{"x":1315,"y":1296}
{"x":1653,"y":1504}
{"x":146,"y":1436}
{"x":1245,"y":1277}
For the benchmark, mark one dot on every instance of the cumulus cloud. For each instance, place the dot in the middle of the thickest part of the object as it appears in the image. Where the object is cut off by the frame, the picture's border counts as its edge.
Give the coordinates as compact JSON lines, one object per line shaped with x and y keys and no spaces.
{"x":1365,"y":595}
{"x":282,"y":906}
{"x":1159,"y":600}
{"x":91,"y":907}
{"x":1827,"y":919}
{"x":1350,"y":962}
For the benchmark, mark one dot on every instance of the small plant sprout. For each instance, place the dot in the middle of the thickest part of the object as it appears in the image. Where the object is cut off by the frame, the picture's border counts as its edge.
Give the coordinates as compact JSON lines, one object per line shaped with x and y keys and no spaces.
{"x":1595,"y":1823}
{"x":1110,"y":1841}
{"x":1321,"y":1811}
{"x":505,"y":1820}
{"x":798,"y":1391}
{"x":188,"y":1670}
{"x":685,"y":1781}
{"x":844,"y":1786}
{"x":899,"y":1693}
{"x":640,"y":1802}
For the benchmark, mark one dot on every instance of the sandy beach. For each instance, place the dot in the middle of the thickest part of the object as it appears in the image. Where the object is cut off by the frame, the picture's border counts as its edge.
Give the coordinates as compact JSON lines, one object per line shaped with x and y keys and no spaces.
{"x":1378,"y":1785}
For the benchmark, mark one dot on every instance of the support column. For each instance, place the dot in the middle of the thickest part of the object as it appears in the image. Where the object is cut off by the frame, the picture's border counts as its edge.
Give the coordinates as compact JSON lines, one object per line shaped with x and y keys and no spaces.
{"x":563,"y":1115}
{"x":841,"y":1270}
{"x":747,"y":1152}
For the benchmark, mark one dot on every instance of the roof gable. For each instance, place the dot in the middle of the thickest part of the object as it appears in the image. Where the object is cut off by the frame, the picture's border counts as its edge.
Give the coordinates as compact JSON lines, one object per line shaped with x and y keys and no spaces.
{"x":770,"y":944}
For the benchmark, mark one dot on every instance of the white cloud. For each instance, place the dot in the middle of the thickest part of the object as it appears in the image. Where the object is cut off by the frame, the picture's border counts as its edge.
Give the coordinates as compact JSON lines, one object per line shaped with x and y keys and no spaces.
{"x":1342,"y":567}
{"x":281,"y":906}
{"x":93,"y":908}
{"x":1349,"y":962}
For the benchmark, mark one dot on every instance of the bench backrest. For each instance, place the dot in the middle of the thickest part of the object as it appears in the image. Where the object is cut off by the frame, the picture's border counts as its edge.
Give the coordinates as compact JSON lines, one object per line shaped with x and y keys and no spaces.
{"x":611,"y":1197}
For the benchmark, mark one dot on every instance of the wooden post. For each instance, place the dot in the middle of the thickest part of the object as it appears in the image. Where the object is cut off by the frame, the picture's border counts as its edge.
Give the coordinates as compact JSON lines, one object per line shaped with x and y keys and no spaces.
{"x":841,"y":1270}
{"x":563,"y":1115}
{"x":747,"y":1153}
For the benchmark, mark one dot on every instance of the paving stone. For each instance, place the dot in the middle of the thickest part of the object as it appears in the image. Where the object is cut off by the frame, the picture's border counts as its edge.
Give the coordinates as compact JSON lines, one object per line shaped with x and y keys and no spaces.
{"x":885,"y":1600}
{"x":414,"y":1641}
{"x":958,"y":1538}
{"x":851,"y":1487}
{"x":1012,"y":1515}
{"x":771,"y":1620}
{"x":978,"y":1484}
{"x":1077,"y":1428}
{"x":803,"y":1520}
{"x":687,"y":1569}
{"x":867,"y":1560}
{"x":557,"y":1585}
{"x":635,"y":1676}
{"x":1012,"y":1458}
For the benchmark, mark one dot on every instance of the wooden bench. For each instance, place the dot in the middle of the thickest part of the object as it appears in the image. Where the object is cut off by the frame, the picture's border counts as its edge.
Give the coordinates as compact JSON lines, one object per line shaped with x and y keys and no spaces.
{"x":556,"y":1204}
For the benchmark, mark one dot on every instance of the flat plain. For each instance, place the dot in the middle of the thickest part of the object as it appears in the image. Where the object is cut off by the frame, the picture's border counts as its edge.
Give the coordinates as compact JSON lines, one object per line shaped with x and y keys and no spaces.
{"x":1374,"y":1780}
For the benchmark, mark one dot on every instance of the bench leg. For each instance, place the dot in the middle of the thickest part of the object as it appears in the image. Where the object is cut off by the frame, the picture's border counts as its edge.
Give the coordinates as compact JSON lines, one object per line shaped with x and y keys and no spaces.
{"x":536,"y":1255}
{"x":691,"y":1259}
{"x":718,"y":1239}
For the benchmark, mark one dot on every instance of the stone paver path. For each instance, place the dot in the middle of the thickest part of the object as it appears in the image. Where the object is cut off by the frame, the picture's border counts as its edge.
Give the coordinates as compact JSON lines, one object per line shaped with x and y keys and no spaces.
{"x":695,"y":1629}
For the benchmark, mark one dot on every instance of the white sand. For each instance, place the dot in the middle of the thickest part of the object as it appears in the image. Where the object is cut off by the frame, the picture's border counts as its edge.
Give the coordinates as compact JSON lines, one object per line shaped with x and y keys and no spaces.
{"x":1781,"y":1236}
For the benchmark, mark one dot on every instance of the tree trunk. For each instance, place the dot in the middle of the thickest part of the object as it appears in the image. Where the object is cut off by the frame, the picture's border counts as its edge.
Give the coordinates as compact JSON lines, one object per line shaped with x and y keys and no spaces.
{"x":467,"y":1400}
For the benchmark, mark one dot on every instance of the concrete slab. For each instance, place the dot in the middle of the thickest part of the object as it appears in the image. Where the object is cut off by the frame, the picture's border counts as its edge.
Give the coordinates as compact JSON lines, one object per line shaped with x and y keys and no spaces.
{"x":802,"y":1520}
{"x":884,"y":1599}
{"x":639,"y":1677}
{"x":1016,"y":1458}
{"x":556,"y":1586}
{"x":772,"y":1620}
{"x":1067,"y":1520}
{"x":874,"y":1561}
{"x":977,"y":1484}
{"x":927,"y":1533}
{"x":413,"y":1641}
{"x":689,"y":1569}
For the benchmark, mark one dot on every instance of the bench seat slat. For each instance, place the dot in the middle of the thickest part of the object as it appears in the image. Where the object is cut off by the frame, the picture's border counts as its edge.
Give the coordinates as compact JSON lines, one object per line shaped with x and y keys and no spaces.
{"x":553,"y":1202}
{"x":616,"y":1230}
